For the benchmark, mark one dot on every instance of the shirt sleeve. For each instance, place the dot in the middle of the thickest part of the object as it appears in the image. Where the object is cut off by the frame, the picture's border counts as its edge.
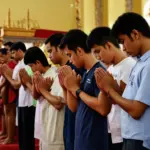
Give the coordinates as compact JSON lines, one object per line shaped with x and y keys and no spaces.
{"x":15,"y":74}
{"x":143,"y":93}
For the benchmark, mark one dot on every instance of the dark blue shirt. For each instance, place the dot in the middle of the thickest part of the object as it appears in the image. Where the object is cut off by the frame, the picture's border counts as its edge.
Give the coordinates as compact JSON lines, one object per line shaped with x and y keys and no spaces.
{"x":69,"y":120}
{"x":91,"y":131}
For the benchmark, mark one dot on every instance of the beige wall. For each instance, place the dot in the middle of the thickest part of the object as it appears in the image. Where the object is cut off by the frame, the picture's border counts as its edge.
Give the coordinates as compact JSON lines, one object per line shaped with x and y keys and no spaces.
{"x":115,"y":9}
{"x":50,"y":14}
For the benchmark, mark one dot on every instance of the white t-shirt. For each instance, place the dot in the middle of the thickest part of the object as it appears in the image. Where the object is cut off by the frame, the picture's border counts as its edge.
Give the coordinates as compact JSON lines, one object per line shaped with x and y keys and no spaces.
{"x":51,"y":120}
{"x":51,"y":72}
{"x":16,"y":70}
{"x":120,"y":72}
{"x":53,"y":123}
{"x":25,"y":98}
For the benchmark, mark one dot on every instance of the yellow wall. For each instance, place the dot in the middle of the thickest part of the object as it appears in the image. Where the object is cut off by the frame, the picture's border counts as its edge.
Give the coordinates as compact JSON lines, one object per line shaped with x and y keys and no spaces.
{"x":88,"y":15}
{"x":105,"y":12}
{"x":137,"y":6}
{"x":115,"y":9}
{"x":50,"y":14}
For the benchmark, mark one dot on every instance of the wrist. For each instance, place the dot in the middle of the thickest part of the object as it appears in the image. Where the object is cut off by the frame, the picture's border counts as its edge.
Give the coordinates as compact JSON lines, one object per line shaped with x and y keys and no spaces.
{"x":109,"y":91}
{"x":78,"y":91}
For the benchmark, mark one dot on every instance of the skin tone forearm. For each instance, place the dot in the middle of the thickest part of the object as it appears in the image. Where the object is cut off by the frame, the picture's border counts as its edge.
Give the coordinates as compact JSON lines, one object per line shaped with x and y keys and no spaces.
{"x":135,"y":108}
{"x":3,"y":82}
{"x":53,"y":100}
{"x":29,"y":86}
{"x":72,"y":102}
{"x":101,"y":104}
{"x":15,"y":83}
{"x":35,"y":94}
{"x":65,"y":94}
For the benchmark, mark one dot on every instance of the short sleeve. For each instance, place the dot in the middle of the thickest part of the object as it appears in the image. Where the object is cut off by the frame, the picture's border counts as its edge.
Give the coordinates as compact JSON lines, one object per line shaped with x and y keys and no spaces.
{"x":143,"y":93}
{"x":15,"y":74}
{"x":19,"y":66}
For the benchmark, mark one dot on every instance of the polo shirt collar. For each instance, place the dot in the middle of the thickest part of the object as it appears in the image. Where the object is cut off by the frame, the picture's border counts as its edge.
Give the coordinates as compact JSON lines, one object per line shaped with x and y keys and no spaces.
{"x":145,"y":56}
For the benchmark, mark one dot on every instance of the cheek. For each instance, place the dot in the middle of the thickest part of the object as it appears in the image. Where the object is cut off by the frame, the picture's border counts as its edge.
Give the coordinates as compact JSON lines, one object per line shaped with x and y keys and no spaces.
{"x":75,"y":59}
{"x":102,"y":55}
{"x":34,"y":68}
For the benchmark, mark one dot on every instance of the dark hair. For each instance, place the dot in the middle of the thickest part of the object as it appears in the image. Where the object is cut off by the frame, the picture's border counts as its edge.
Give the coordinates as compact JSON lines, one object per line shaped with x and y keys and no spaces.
{"x":100,"y":36}
{"x":3,"y":51}
{"x":33,"y":54}
{"x":18,"y":45}
{"x":55,"y":39}
{"x":129,"y":21}
{"x":8,"y":44}
{"x":73,"y":39}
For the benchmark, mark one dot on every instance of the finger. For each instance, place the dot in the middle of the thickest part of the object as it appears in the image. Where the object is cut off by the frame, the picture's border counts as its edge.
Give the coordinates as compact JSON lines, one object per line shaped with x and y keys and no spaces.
{"x":101,"y":73}
{"x":74,"y":73}
{"x":79,"y":77}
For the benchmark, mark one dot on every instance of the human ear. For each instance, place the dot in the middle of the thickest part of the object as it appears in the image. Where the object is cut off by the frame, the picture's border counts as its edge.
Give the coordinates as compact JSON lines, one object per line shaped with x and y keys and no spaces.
{"x":79,"y":51}
{"x":135,"y":35}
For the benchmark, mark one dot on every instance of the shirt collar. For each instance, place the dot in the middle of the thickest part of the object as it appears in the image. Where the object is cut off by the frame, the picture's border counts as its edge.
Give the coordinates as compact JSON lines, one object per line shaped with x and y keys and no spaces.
{"x":145,"y":56}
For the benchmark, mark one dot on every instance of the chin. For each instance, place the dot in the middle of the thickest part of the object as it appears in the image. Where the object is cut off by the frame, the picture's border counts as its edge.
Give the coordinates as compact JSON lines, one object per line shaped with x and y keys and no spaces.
{"x":78,"y":66}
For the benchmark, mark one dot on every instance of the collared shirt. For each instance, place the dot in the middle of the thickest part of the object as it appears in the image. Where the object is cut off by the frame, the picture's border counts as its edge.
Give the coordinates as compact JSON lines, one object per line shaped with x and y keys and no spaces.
{"x":138,"y":89}
{"x":120,"y":72}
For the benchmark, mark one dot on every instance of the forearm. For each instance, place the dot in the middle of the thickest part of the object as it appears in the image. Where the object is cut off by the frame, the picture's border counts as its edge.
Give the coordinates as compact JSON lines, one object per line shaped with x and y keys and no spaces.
{"x":101,"y":104}
{"x":35,"y":94}
{"x":104,"y":104}
{"x":29,"y":86}
{"x":125,"y":104}
{"x":65,"y":95}
{"x":3,"y":83}
{"x":53,"y":100}
{"x":16,"y":84}
{"x":132,"y":107}
{"x":72,"y":102}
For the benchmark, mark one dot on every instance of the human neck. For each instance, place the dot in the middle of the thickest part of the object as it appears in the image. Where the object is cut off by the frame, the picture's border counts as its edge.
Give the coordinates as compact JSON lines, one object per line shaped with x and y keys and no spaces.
{"x":145,"y":46}
{"x":119,"y":57}
{"x":64,"y":60}
{"x":44,"y":69}
{"x":89,"y":61}
{"x":21,"y":57}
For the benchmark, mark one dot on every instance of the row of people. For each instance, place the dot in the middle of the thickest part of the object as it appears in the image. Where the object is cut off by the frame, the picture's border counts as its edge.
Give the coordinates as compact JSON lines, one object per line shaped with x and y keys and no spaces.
{"x":80,"y":105}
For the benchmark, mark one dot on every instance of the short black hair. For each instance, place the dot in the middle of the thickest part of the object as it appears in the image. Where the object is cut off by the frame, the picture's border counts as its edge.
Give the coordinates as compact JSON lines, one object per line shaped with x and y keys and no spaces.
{"x":4,"y":51}
{"x":55,"y":39}
{"x":100,"y":36}
{"x":33,"y":54}
{"x":128,"y":22}
{"x":18,"y":45}
{"x":8,"y":44}
{"x":73,"y":39}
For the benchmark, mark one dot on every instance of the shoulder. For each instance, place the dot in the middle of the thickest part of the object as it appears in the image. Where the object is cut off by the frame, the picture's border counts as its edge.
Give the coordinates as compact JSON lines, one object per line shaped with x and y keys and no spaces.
{"x":128,"y":62}
{"x":51,"y":72}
